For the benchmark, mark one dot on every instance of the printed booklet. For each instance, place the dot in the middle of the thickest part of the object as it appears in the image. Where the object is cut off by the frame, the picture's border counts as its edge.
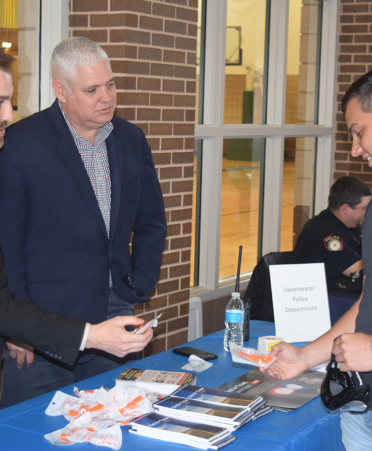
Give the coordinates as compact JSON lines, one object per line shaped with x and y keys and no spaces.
{"x":163,"y":382}
{"x":180,"y":431}
{"x":281,"y":395}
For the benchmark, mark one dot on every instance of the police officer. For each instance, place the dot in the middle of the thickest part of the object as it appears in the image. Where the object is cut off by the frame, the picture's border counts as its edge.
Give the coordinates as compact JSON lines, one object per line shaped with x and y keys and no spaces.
{"x":334,"y":236}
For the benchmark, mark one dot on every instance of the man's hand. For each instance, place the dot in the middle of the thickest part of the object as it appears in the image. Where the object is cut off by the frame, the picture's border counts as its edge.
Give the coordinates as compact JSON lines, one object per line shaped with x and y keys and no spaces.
{"x":111,"y":336}
{"x":22,"y":352}
{"x":291,"y":362}
{"x":353,"y":352}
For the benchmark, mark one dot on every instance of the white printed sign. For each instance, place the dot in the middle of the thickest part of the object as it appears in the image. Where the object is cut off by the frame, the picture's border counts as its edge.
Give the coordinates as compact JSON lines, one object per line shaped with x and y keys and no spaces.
{"x":300,"y":301}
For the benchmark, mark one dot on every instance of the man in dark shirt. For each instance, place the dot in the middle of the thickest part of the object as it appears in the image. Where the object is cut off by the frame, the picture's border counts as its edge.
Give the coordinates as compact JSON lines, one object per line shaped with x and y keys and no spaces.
{"x":334,"y":236}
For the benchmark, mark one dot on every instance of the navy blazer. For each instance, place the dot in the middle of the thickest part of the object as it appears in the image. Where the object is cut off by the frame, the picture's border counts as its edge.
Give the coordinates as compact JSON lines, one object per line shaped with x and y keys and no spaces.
{"x":55,"y":243}
{"x":51,"y":333}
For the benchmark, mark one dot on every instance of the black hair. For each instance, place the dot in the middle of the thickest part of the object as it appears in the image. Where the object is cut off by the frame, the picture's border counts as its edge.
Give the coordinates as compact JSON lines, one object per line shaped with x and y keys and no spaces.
{"x":6,"y":61}
{"x":362,"y":90}
{"x":347,"y":190}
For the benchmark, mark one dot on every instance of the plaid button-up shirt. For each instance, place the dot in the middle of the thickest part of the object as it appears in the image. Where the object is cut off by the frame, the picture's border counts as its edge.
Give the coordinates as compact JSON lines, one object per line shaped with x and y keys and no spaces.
{"x":96,"y":163}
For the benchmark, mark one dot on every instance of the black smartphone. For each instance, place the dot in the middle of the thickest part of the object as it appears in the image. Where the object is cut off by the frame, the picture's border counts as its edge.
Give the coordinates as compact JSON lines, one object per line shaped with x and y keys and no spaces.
{"x":187,"y":351}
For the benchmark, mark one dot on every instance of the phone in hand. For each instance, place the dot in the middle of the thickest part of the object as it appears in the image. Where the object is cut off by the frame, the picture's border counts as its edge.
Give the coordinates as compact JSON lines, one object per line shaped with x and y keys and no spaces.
{"x":187,"y":351}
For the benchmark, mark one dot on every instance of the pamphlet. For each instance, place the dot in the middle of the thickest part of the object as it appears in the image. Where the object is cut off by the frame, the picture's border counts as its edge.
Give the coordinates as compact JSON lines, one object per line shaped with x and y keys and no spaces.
{"x":163,"y":382}
{"x":281,"y":395}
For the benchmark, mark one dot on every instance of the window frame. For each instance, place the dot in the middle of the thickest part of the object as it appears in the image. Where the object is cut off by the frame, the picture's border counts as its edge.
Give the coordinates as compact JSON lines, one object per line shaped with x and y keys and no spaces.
{"x":213,"y":131}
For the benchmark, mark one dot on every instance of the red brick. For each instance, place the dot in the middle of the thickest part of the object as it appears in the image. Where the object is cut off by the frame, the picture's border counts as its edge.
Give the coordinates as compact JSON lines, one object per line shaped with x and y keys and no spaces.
{"x":363,"y":18}
{"x":184,"y":129}
{"x":154,"y":144}
{"x":178,"y":338}
{"x":114,"y":20}
{"x":133,"y":98}
{"x":78,"y":20}
{"x":160,"y":129}
{"x":180,"y":270}
{"x":344,"y":58}
{"x":161,"y":99}
{"x":166,"y":287}
{"x":186,"y":43}
{"x":163,"y":10}
{"x":346,"y":38}
{"x":185,"y":72}
{"x":161,"y":158}
{"x":190,"y":115}
{"x":193,"y":3}
{"x":143,"y":127}
{"x":174,"y":85}
{"x":188,"y":172}
{"x":185,"y":285}
{"x":177,"y":324}
{"x":131,"y":67}
{"x":140,"y":6}
{"x":151,"y":23}
{"x":185,"y":256}
{"x":162,"y":40}
{"x":165,"y":188}
{"x":171,"y":56}
{"x":171,"y":143}
{"x":352,"y":68}
{"x":172,"y":26}
{"x":170,"y":258}
{"x":120,"y":51}
{"x":150,"y":53}
{"x":187,"y":228}
{"x":154,"y":347}
{"x":94,"y":35}
{"x":174,"y":229}
{"x":170,"y":173}
{"x":346,"y":19}
{"x":356,"y":167}
{"x":173,"y":201}
{"x":192,"y":29}
{"x":148,"y":114}
{"x":191,"y":58}
{"x":363,"y":38}
{"x":177,"y":2}
{"x":162,"y":70}
{"x":182,"y":187}
{"x":188,"y":101}
{"x":362,"y":58}
{"x":189,"y":143}
{"x":190,"y":15}
{"x":125,"y":82}
{"x":181,"y":215}
{"x":126,"y":113}
{"x":148,"y":84}
{"x":133,"y":36}
{"x":355,"y":8}
{"x":179,"y":243}
{"x":353,"y":48}
{"x":89,"y":5}
{"x":180,"y":296}
{"x":172,"y":115}
{"x":354,"y":29}
{"x":182,"y":157}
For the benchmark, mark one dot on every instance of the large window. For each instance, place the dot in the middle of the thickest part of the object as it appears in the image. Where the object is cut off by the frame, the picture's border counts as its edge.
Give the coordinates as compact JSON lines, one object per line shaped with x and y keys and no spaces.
{"x":263,"y":153}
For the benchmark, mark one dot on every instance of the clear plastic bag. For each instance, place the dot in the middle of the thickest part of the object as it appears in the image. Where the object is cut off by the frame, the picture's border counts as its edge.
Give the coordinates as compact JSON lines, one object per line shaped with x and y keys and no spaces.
{"x":251,"y":356}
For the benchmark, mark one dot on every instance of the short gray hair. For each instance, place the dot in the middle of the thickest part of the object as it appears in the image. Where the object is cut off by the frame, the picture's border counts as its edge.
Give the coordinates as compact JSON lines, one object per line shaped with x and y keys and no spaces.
{"x":76,"y":51}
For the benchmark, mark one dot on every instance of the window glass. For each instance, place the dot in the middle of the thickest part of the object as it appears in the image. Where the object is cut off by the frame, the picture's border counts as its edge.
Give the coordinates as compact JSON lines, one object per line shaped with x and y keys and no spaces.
{"x":242,"y":173}
{"x":195,"y":220}
{"x":19,"y":33}
{"x":298,"y":188}
{"x":245,"y":61}
{"x":303,"y":61}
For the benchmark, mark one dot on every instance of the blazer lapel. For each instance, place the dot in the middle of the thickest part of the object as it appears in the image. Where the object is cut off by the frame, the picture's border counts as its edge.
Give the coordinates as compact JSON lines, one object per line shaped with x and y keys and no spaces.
{"x":72,"y":159}
{"x":115,"y":157}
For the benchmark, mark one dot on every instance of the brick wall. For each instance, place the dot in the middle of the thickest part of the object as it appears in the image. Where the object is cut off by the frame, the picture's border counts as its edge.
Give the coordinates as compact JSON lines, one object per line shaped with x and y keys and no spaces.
{"x":152,"y":48}
{"x":354,"y":60}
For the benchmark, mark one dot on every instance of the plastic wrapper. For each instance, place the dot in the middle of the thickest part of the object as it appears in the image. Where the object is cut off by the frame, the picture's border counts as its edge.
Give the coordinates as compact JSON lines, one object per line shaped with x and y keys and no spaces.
{"x":251,"y":356}
{"x":196,"y":364}
{"x":95,"y":416}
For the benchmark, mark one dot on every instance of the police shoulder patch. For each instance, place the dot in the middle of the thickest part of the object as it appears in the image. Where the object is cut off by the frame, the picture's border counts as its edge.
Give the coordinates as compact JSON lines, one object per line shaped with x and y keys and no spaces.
{"x":333,"y":243}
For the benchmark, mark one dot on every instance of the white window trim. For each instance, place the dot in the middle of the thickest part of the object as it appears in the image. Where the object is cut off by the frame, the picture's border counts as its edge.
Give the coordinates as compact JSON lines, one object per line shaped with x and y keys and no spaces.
{"x":54,"y":28}
{"x":213,"y":131}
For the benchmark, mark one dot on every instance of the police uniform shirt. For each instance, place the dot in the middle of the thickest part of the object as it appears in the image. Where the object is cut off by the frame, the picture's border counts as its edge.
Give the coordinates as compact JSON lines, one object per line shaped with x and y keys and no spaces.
{"x":325,"y":238}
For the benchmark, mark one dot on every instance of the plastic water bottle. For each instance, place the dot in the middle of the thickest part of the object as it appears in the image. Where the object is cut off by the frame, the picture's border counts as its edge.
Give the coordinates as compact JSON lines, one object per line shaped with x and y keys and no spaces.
{"x":234,"y":318}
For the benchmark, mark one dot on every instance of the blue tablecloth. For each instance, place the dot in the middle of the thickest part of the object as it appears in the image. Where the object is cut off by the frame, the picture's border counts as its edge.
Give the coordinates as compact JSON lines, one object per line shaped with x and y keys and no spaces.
{"x":340,"y":302}
{"x":309,"y":428}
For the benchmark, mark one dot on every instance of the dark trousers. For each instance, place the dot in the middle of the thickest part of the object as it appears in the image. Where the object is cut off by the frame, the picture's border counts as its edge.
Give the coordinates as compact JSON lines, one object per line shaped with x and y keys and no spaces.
{"x":46,"y":375}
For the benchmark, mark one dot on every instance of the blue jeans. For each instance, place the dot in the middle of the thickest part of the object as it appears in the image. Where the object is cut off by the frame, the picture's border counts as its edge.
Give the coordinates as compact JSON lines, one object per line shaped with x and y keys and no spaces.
{"x":357,"y":431}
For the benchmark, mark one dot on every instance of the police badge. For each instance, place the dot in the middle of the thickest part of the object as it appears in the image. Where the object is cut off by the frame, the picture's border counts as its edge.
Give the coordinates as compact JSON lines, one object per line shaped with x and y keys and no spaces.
{"x":333,"y":243}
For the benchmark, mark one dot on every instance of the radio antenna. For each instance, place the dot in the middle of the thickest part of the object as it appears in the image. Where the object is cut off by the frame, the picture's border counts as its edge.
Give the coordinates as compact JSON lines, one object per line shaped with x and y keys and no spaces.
{"x":238,"y":271}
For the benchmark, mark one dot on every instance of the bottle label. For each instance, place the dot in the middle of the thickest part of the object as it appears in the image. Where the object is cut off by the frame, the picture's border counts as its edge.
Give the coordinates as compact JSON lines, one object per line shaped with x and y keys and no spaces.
{"x":234,"y":316}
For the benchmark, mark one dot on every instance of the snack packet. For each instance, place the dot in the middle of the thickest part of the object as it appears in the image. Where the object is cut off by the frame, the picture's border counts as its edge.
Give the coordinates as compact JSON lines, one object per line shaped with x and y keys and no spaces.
{"x":251,"y":356}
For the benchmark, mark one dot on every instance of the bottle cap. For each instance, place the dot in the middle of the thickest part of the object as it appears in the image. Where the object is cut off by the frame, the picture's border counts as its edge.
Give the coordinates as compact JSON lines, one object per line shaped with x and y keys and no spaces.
{"x":235,"y":294}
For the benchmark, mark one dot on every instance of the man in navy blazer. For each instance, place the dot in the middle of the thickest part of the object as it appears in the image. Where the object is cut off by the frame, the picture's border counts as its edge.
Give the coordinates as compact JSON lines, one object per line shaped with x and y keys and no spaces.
{"x":77,"y":185}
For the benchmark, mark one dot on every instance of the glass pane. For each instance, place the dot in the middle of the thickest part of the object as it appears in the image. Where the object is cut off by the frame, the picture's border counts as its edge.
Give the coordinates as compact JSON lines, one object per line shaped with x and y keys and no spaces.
{"x":195,"y":220}
{"x":303,"y":61}
{"x":245,"y":62}
{"x":298,"y":188}
{"x":200,"y":51}
{"x":240,"y":204}
{"x":19,"y":28}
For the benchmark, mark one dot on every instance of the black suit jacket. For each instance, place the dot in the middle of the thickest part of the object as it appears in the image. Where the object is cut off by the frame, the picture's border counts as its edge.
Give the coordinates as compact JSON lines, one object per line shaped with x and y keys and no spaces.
{"x":54,"y":334}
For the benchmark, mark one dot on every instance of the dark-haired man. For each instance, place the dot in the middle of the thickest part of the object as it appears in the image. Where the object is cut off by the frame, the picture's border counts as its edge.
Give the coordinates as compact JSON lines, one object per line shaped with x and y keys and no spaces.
{"x":350,"y":339}
{"x":57,"y":336}
{"x":334,"y":236}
